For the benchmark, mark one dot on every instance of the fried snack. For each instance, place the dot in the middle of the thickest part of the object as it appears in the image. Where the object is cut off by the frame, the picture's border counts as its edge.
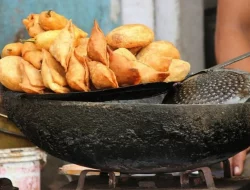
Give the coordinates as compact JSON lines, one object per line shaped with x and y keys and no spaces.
{"x":14,"y":49}
{"x":159,"y":48}
{"x":82,"y":42}
{"x":158,"y":62}
{"x":97,"y":45}
{"x":148,"y":74}
{"x":31,"y":78}
{"x":53,"y":74}
{"x":50,"y":20}
{"x":28,"y":46}
{"x":126,"y":53}
{"x":34,"y":57}
{"x":45,"y":39}
{"x":81,"y":50}
{"x":32,"y":25}
{"x":130,"y":36}
{"x":63,"y":45}
{"x":78,"y":74}
{"x":101,"y":76}
{"x":10,"y":73}
{"x":178,"y":70}
{"x":135,"y":50}
{"x":125,"y":72}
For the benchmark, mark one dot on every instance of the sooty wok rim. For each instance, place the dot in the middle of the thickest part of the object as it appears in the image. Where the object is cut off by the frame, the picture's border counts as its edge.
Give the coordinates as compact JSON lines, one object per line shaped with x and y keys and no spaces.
{"x":20,"y":95}
{"x":127,"y":103}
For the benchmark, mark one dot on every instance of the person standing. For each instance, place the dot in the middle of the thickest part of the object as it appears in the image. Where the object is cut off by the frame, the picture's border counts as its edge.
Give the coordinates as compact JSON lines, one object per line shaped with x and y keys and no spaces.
{"x":232,"y":38}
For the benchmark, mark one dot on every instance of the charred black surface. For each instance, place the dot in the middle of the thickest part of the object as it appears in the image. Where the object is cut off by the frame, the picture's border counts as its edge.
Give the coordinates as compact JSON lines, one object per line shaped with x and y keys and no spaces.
{"x":213,"y":87}
{"x":134,"y":138}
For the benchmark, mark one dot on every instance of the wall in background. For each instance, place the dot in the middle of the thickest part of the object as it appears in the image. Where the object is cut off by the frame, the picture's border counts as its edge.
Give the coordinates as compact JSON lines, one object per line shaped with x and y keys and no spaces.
{"x":138,"y":11}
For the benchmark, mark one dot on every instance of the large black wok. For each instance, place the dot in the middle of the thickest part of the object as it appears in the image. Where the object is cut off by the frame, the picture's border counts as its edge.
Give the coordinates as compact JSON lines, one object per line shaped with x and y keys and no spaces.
{"x":134,"y":138}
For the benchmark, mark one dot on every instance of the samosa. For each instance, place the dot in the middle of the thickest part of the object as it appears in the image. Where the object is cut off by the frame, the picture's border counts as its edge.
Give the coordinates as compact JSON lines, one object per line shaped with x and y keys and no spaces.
{"x":82,"y":42}
{"x":31,"y":78}
{"x":135,"y":50}
{"x":32,"y":25}
{"x":78,"y":74}
{"x":34,"y":57}
{"x":148,"y":74}
{"x":63,"y":45}
{"x":28,"y":46}
{"x":97,"y":45}
{"x":10,"y":73}
{"x":125,"y":72}
{"x":81,"y":50}
{"x":53,"y":74}
{"x":31,"y":54}
{"x":101,"y":76}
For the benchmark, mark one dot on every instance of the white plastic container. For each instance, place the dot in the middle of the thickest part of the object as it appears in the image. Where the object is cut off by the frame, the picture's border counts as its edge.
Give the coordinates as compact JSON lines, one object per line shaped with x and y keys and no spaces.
{"x":22,"y":166}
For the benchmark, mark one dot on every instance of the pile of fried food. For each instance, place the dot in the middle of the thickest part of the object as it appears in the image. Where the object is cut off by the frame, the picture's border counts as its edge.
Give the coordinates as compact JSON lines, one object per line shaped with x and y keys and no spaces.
{"x":60,"y":57}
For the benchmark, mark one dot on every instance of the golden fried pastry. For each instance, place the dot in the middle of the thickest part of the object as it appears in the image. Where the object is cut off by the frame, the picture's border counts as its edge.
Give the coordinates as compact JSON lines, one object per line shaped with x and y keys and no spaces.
{"x":31,"y":78}
{"x":159,"y":48}
{"x":10,"y":73}
{"x":148,"y":74}
{"x":34,"y":57}
{"x":53,"y":74}
{"x":130,"y":36}
{"x":101,"y":76}
{"x":32,"y":25}
{"x":126,"y":53}
{"x":60,"y":57}
{"x":135,"y":50}
{"x":125,"y":72}
{"x":97,"y":45}
{"x":78,"y":74}
{"x":82,"y":42}
{"x":31,"y":54}
{"x":50,"y":20}
{"x":81,"y":50}
{"x":158,"y":62}
{"x":63,"y":45}
{"x":178,"y":70}
{"x":28,"y":46}
{"x":14,"y":49}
